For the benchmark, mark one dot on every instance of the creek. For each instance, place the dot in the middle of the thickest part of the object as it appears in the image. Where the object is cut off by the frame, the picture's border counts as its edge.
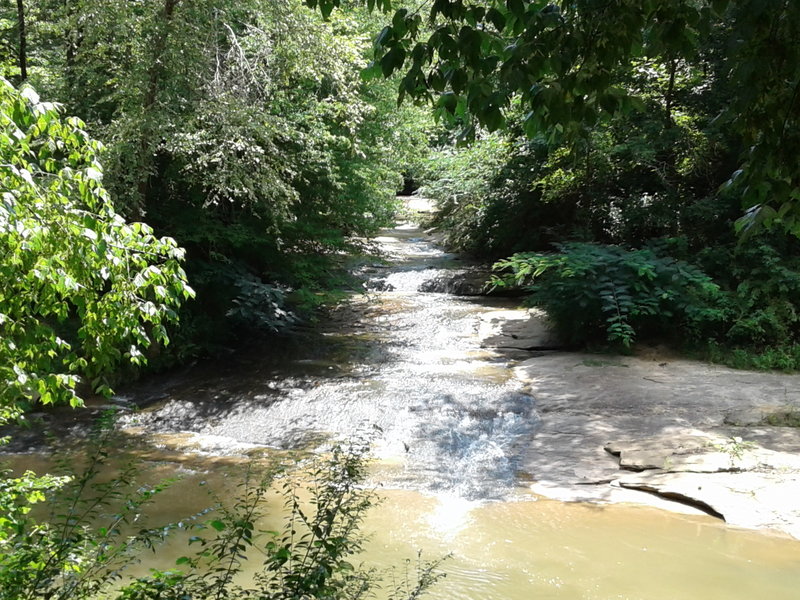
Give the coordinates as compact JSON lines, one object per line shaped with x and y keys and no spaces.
{"x":449,"y":424}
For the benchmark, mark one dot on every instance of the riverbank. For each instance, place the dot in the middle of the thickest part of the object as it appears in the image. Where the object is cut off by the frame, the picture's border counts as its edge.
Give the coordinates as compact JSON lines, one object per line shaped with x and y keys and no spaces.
{"x":476,"y":445}
{"x":631,"y":429}
{"x":471,"y":396}
{"x":655,"y":429}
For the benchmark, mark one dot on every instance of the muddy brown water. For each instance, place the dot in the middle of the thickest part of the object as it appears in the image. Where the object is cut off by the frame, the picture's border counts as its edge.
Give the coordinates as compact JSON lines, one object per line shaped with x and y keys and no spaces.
{"x":448,"y":423}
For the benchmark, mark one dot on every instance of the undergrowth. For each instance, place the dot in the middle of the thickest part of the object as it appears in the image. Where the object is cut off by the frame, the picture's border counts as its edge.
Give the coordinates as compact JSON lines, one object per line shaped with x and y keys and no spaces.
{"x":87,"y":531}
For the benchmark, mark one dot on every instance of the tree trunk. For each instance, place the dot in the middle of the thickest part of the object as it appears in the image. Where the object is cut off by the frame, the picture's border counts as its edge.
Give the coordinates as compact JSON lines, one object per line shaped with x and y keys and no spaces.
{"x":73,"y":39}
{"x":148,"y":102}
{"x":160,"y":46}
{"x":23,"y":41}
{"x":668,"y":96}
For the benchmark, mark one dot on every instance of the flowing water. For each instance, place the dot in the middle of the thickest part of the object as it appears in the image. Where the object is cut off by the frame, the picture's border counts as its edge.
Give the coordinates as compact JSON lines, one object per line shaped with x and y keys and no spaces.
{"x":400,"y":366}
{"x":448,"y":423}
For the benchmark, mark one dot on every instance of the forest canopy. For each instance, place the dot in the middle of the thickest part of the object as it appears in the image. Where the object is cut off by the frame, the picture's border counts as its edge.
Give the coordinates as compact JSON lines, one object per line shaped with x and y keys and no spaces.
{"x":241,"y":129}
{"x":268,"y":138}
{"x":555,"y":69}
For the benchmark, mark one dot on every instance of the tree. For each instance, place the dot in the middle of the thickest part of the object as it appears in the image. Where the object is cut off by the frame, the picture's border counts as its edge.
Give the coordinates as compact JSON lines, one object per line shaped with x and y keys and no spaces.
{"x":564,"y":65}
{"x":240,"y":128}
{"x":83,"y":291}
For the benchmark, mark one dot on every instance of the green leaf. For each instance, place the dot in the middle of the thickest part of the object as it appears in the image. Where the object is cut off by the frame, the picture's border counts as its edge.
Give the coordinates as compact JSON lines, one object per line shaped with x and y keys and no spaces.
{"x":326,"y":8}
{"x":384,"y":36}
{"x":392,"y":60}
{"x":217,"y":524}
{"x":496,"y":18}
{"x":516,"y":7}
{"x":493,"y":118}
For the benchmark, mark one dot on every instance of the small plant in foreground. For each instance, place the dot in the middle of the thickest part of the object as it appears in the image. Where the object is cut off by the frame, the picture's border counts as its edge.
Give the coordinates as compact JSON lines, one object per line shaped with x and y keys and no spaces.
{"x":89,"y":536}
{"x":734,"y":447}
{"x":81,"y":551}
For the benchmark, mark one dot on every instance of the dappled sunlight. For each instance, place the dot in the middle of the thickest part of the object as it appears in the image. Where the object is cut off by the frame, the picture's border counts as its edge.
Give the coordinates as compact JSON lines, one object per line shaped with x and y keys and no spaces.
{"x":444,"y":415}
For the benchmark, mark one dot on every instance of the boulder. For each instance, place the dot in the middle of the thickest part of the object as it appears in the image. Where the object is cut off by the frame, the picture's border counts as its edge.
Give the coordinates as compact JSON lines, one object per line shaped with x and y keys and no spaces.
{"x":521,"y":329}
{"x":379,"y":285}
{"x":464,"y":282}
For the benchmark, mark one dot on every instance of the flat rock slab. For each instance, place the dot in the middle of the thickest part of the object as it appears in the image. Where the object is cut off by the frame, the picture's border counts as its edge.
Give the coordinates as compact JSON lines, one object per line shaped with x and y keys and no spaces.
{"x":419,"y":204}
{"x":702,"y":454}
{"x":612,"y":425}
{"x":747,"y":499}
{"x":520,"y":328}
{"x":678,"y":391}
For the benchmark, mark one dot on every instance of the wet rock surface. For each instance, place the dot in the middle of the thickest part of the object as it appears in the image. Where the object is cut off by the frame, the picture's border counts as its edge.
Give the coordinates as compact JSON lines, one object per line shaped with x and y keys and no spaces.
{"x":521,"y":329}
{"x":460,"y":282}
{"x":748,"y":499}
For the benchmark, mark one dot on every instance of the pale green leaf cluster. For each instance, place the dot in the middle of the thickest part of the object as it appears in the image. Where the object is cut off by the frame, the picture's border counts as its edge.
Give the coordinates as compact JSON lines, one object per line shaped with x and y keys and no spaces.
{"x":82,"y":290}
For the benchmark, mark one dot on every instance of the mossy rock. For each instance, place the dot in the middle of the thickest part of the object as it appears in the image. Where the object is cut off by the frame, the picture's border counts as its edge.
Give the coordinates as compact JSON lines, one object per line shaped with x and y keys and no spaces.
{"x":785,"y":418}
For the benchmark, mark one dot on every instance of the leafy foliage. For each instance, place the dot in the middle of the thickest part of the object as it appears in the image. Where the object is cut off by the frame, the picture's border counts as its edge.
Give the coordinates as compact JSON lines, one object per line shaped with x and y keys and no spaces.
{"x":565,"y":66}
{"x":588,"y":289}
{"x":463,"y":182}
{"x":759,"y":282}
{"x":630,"y":180}
{"x":241,"y":129}
{"x":83,"y":290}
{"x":653,"y":178}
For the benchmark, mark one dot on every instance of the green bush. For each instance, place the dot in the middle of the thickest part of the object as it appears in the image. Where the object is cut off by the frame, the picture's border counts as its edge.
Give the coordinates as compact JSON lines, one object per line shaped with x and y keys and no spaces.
{"x":591,"y":290}
{"x":760,"y":286}
{"x":625,"y":182}
{"x":460,"y":180}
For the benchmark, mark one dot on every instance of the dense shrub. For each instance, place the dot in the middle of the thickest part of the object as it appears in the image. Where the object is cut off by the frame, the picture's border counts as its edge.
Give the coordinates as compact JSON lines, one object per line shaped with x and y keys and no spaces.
{"x":590,"y":291}
{"x":625,"y":182}
{"x":747,"y":316}
{"x":460,"y":180}
{"x":760,"y":283}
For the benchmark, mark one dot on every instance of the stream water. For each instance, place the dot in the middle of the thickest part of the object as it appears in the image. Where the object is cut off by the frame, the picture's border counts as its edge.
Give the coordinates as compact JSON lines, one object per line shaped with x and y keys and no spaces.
{"x":448,"y":423}
{"x":401,"y":367}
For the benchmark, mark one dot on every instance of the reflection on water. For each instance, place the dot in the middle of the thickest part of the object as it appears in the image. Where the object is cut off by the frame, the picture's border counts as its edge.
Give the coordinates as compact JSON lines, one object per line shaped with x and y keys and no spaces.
{"x":524,"y":548}
{"x":545,"y":549}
